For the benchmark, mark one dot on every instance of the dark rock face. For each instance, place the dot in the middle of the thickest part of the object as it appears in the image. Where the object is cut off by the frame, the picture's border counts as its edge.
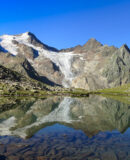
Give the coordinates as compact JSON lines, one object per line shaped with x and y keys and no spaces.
{"x":119,"y":67}
{"x":7,"y":74}
{"x":36,"y":42}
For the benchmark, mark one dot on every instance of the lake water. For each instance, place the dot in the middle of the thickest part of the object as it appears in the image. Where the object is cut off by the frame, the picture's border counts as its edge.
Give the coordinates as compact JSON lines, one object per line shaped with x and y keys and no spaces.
{"x":64,"y":128}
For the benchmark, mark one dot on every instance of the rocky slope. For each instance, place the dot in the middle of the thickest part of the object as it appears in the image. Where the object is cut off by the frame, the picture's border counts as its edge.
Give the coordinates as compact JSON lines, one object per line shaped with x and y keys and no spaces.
{"x":14,"y":83}
{"x":91,"y":66}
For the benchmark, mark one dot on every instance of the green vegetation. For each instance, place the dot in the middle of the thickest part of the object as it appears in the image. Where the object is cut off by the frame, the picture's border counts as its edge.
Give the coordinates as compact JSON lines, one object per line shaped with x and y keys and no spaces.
{"x":120,"y":90}
{"x":73,"y":92}
{"x":120,"y":93}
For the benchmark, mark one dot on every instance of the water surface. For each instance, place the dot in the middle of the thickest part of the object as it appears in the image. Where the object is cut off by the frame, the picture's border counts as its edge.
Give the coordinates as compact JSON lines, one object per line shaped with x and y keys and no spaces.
{"x":92,"y":128}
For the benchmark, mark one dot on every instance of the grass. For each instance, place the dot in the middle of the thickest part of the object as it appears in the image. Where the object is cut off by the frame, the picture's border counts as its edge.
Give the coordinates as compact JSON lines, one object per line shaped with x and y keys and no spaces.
{"x":120,"y":90}
{"x":77,"y":92}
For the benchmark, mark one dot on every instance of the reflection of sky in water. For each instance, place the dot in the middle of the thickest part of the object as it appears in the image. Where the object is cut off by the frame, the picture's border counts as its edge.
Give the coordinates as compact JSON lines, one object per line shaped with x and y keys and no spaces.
{"x":58,"y":141}
{"x":63,"y":129}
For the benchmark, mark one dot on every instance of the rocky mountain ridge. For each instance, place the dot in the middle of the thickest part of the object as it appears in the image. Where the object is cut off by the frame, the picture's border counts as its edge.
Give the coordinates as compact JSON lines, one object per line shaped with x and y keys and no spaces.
{"x":91,"y":66}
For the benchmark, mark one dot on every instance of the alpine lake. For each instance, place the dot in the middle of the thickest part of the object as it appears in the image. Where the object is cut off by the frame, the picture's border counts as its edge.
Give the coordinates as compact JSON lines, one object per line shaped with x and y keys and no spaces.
{"x":65,"y":128}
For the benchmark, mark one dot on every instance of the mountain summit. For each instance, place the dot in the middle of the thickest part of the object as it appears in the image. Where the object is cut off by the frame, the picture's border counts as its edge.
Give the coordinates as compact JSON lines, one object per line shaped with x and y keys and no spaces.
{"x":92,"y":44}
{"x":99,"y":66}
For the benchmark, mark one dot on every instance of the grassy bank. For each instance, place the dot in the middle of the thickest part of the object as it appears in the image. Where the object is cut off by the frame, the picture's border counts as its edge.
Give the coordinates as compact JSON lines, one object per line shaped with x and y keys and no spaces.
{"x":120,"y":90}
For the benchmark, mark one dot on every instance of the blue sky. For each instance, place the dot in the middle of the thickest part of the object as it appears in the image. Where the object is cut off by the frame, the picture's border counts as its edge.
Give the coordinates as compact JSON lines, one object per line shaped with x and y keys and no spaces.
{"x":66,"y":23}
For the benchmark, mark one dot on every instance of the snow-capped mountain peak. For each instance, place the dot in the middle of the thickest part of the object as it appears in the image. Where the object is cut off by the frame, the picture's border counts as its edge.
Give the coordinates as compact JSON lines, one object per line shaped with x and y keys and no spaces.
{"x":15,"y":44}
{"x":91,"y":66}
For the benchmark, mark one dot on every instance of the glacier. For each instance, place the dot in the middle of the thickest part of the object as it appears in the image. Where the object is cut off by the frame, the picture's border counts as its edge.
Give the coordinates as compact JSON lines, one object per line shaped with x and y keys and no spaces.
{"x":62,"y":59}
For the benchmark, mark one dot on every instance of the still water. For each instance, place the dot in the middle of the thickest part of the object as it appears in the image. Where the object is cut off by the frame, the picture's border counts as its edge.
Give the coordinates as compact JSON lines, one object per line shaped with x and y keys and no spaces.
{"x":64,"y":128}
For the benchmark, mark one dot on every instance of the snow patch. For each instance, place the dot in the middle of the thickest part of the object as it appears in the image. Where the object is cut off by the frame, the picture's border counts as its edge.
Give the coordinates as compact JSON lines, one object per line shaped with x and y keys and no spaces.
{"x":7,"y":44}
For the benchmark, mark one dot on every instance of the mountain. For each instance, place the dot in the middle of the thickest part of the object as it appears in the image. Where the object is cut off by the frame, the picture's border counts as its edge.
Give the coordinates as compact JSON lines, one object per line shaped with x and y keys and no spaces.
{"x":91,"y":66}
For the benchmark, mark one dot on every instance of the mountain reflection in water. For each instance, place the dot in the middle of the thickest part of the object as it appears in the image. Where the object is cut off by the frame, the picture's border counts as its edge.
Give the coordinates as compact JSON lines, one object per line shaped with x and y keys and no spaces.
{"x":65,"y":128}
